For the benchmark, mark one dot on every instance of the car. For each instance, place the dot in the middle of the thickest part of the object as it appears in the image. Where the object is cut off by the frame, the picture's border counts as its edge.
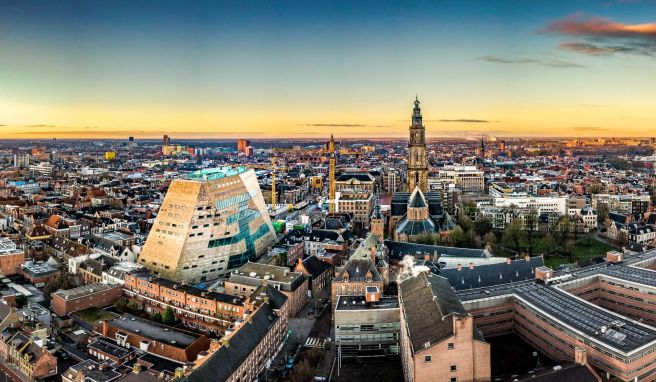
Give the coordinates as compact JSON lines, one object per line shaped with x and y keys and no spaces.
{"x":319,"y":378}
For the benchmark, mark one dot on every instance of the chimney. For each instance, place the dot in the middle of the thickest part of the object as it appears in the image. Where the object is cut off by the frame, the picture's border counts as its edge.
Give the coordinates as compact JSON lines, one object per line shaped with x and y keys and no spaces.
{"x":527,"y":258}
{"x":460,"y":267}
{"x":104,"y":328}
{"x":373,"y":254}
{"x":614,"y":257}
{"x":136,"y":368}
{"x":580,"y":356}
{"x":471,"y":265}
{"x":508,"y":261}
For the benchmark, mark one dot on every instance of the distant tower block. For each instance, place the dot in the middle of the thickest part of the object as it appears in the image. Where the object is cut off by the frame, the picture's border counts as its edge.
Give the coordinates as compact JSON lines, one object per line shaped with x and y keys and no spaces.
{"x":417,"y":162}
{"x":210,"y":222}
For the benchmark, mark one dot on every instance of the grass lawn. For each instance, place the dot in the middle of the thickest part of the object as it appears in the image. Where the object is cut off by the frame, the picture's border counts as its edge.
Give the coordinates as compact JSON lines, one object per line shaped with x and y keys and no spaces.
{"x":93,"y":315}
{"x":581,"y":252}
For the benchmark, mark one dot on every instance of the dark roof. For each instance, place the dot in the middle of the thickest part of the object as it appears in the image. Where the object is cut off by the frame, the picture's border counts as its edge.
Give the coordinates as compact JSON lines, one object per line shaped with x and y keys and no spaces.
{"x":482,"y":276}
{"x":398,"y":249}
{"x":568,"y":373}
{"x":314,"y":266}
{"x":361,"y":176}
{"x":429,"y":304}
{"x":417,"y":199}
{"x":223,"y":362}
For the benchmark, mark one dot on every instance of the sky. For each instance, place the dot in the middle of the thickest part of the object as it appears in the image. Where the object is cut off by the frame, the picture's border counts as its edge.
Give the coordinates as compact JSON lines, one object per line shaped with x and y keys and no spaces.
{"x":295,"y":69}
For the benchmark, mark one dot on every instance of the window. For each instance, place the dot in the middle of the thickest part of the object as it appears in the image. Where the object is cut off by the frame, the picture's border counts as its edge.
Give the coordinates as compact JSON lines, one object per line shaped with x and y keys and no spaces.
{"x":450,"y":345}
{"x":454,"y":379}
{"x":428,"y":358}
{"x":453,"y":368}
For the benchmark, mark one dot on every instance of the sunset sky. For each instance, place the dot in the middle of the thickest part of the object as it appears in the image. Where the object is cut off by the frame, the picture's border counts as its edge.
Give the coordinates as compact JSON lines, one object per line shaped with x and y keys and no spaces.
{"x":211,"y":69}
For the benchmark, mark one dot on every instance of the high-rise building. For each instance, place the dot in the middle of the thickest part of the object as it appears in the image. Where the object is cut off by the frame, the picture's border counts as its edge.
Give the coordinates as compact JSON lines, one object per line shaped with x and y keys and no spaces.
{"x":21,"y":160}
{"x":166,"y":140}
{"x":242,"y":144}
{"x":211,"y":221}
{"x":417,"y":162}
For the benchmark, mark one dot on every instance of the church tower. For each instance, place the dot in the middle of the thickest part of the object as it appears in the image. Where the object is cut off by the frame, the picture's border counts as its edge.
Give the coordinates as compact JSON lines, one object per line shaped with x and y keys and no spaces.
{"x":417,"y":162}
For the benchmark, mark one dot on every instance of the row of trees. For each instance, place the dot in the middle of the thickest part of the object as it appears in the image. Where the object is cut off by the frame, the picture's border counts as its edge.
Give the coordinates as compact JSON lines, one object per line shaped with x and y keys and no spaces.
{"x":133,"y":306}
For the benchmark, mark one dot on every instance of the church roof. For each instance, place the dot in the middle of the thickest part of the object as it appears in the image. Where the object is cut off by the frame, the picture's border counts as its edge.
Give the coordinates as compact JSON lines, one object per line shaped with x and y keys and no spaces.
{"x":417,"y":199}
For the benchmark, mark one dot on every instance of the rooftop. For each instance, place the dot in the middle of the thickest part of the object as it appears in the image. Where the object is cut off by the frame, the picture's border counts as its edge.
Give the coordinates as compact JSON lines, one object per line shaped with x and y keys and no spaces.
{"x":85,"y":290}
{"x":360,"y":303}
{"x":154,"y":331}
{"x":216,"y":173}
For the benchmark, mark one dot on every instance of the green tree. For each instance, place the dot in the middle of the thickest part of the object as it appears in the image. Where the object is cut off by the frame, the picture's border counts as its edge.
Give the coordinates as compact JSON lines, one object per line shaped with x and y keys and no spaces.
{"x":281,"y":259}
{"x":168,"y":318}
{"x":63,"y":281}
{"x":428,"y":238}
{"x":512,"y":235}
{"x":549,"y":242}
{"x":483,"y":226}
{"x":530,"y":224}
{"x":466,"y":223}
{"x":602,"y":212}
{"x":157,"y":317}
{"x":458,"y":237}
{"x":121,"y":304}
{"x":133,"y":306}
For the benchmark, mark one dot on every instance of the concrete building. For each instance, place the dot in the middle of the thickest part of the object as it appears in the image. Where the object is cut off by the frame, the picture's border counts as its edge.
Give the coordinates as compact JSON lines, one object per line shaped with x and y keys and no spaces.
{"x":357,"y":203}
{"x":251,"y":276}
{"x":210,"y":222}
{"x":360,"y":182}
{"x":65,"y":302}
{"x":205,"y":311}
{"x":469,"y":179}
{"x":367,"y":326}
{"x":11,"y":257}
{"x":439,"y":340}
{"x":603,"y":312}
{"x":148,"y":336}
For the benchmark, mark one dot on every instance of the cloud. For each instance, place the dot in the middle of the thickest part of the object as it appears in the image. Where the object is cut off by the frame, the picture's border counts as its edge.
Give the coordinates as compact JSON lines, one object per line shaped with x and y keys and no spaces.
{"x":465,"y":120}
{"x":604,"y":37}
{"x":578,"y":25}
{"x":338,"y":125}
{"x":589,"y":128}
{"x":551,"y":62}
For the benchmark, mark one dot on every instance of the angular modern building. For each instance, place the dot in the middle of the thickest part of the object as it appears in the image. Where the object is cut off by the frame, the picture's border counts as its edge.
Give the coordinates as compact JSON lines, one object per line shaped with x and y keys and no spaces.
{"x":211,"y":221}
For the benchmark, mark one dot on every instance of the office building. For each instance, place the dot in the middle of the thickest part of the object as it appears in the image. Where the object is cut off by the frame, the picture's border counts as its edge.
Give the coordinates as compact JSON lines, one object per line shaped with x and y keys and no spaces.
{"x":211,"y":221}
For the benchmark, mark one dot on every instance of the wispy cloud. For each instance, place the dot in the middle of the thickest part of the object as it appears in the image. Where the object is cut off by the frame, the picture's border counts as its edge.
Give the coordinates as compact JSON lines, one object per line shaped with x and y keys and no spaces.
{"x":604,"y":37}
{"x":338,"y":125}
{"x":464,"y":120}
{"x":589,"y":128}
{"x":551,"y":62}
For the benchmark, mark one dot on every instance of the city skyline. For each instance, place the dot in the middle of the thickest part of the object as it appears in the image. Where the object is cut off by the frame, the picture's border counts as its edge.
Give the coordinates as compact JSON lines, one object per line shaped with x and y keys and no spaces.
{"x":299,"y":70}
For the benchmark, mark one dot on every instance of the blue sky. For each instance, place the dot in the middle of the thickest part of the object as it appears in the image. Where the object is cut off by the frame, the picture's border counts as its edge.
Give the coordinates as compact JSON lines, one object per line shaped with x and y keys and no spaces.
{"x":274,"y":68}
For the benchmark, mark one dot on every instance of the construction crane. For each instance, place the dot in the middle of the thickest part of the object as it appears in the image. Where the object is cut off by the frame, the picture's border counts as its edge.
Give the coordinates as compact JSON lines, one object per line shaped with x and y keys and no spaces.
{"x":273,"y":183}
{"x":331,"y":153}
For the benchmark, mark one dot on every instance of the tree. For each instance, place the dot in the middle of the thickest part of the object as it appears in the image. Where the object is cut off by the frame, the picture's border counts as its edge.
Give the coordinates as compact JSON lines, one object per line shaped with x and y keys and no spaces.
{"x":281,"y":259}
{"x":168,"y":318}
{"x":490,"y":239}
{"x":133,"y":306}
{"x":512,"y":235}
{"x":428,"y":238}
{"x":466,"y":223}
{"x":157,"y":317}
{"x":530,"y":224}
{"x":562,"y":229}
{"x":483,"y":226}
{"x":63,"y":281}
{"x":121,"y":304}
{"x":458,"y":236}
{"x":302,"y":372}
{"x":602,"y":212}
{"x":549,"y":242}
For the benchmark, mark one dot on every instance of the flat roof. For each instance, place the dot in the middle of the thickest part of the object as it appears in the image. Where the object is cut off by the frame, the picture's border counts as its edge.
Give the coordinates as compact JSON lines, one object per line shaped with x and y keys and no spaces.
{"x":155,"y":331}
{"x":215,"y":173}
{"x":360,"y":303}
{"x":85,"y":290}
{"x":110,"y":348}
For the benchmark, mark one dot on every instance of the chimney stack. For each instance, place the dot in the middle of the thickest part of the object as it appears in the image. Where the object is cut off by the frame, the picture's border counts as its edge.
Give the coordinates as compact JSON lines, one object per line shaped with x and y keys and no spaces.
{"x":460,"y":267}
{"x":471,"y":265}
